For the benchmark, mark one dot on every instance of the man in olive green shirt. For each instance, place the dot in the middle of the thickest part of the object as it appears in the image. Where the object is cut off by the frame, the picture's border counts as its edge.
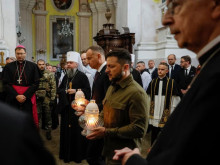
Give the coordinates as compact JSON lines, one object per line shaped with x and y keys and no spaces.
{"x":124,"y":108}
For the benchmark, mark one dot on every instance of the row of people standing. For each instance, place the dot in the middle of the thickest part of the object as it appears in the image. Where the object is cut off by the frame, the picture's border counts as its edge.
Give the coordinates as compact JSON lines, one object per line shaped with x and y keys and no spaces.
{"x":75,"y":78}
{"x":112,"y":79}
{"x":71,"y":150}
{"x":168,"y":83}
{"x":182,"y":74}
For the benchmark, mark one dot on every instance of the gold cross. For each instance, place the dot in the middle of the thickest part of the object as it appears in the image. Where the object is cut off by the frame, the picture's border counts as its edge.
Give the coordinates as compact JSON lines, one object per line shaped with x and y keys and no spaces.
{"x":19,"y":81}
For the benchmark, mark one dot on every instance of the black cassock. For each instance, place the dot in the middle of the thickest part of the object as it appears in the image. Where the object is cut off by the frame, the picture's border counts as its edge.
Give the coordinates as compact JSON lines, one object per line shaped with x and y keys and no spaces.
{"x":72,"y":144}
{"x":29,"y":74}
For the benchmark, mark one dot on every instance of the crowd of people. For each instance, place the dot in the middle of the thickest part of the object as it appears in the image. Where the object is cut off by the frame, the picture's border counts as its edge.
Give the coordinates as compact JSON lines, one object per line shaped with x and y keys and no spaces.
{"x":176,"y":103}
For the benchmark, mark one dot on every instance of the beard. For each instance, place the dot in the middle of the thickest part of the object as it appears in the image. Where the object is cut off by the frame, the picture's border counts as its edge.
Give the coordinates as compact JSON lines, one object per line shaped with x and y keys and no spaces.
{"x":117,"y":77}
{"x":70,"y":72}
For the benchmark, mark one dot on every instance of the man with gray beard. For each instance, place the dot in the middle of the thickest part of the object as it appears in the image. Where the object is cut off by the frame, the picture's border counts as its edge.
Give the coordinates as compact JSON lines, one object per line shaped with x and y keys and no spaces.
{"x":72,"y":143}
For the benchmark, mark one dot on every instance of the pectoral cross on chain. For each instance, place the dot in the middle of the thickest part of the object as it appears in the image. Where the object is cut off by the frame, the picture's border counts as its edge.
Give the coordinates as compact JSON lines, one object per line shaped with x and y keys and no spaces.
{"x":19,"y":80}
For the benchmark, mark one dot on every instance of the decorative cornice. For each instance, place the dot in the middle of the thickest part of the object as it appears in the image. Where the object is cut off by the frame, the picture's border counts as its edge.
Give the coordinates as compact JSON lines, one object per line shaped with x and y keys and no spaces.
{"x":100,"y":6}
{"x":27,"y":4}
{"x":54,"y":17}
{"x":109,"y":2}
{"x":92,"y":7}
{"x":83,"y":14}
{"x":40,"y":12}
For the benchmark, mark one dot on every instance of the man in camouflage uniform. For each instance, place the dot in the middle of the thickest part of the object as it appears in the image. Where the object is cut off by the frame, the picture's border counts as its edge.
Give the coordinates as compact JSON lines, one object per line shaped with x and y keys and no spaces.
{"x":45,"y":97}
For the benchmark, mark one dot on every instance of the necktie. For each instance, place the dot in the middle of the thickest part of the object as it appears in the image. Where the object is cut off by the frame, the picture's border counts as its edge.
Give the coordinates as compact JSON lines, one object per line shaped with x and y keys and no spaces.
{"x":94,"y":83}
{"x":186,"y":72}
{"x":96,"y":76}
{"x":171,"y":71}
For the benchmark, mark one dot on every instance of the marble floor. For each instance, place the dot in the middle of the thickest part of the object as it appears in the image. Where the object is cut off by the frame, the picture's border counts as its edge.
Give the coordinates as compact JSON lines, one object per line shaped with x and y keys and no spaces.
{"x":53,"y":146}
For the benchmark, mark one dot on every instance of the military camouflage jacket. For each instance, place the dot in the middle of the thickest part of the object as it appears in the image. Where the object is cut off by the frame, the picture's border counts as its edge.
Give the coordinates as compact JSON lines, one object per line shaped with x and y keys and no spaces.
{"x":47,"y":86}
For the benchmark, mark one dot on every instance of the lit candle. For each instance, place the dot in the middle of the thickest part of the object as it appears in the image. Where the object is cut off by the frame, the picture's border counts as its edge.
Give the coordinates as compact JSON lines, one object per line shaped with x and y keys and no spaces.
{"x":91,"y":116}
{"x":91,"y":122}
{"x":80,"y":102}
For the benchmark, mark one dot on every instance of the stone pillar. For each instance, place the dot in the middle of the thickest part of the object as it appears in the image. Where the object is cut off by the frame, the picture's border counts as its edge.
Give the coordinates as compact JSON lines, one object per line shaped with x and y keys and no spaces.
{"x":1,"y":22}
{"x":7,"y":28}
{"x":98,"y":12}
{"x":40,"y":28}
{"x":84,"y":28}
{"x":26,"y":37}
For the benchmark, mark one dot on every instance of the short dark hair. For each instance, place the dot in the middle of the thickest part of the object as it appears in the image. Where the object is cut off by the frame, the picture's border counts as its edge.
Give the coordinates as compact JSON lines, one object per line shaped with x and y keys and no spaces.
{"x":19,"y":48}
{"x":123,"y":55}
{"x":40,"y":60}
{"x":187,"y":58}
{"x":96,"y":48}
{"x":141,"y":62}
{"x":7,"y":58}
{"x":165,"y":64}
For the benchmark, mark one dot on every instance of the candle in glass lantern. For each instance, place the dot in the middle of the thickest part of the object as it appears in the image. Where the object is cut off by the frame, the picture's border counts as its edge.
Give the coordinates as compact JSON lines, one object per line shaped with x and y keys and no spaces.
{"x":91,"y":116}
{"x":79,"y":100}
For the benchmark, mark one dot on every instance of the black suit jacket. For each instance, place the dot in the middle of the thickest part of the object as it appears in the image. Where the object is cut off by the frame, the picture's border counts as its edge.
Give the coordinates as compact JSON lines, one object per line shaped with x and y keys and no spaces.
{"x":182,"y":80}
{"x":175,"y":71}
{"x":154,"y":74}
{"x":20,"y":142}
{"x":191,"y":134}
{"x":99,"y":88}
{"x":137,"y":76}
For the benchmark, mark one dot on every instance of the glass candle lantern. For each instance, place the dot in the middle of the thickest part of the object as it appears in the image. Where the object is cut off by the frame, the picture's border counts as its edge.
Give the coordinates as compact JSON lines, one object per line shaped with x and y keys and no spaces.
{"x":91,"y":117}
{"x":79,"y":100}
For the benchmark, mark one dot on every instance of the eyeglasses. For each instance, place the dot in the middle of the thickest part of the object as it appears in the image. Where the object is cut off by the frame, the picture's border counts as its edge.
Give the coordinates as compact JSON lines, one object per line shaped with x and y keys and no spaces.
{"x":174,"y":7}
{"x":182,"y":61}
{"x":20,"y":54}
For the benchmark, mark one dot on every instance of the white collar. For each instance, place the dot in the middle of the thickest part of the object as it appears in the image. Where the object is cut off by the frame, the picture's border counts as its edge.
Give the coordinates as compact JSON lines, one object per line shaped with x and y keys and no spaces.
{"x":100,"y":68}
{"x":208,"y":46}
{"x":189,"y":67}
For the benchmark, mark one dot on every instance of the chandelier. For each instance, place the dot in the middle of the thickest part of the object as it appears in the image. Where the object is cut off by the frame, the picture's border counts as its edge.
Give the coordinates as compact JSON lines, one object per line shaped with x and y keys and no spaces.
{"x":65,"y":30}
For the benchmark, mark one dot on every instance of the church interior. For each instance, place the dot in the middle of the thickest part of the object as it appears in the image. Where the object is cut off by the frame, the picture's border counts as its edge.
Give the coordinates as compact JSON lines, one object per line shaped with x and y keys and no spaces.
{"x":50,"y":28}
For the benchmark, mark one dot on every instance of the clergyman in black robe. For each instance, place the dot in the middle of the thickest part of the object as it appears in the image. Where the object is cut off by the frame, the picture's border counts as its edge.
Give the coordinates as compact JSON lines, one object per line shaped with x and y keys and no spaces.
{"x":72,"y":144}
{"x":21,"y":79}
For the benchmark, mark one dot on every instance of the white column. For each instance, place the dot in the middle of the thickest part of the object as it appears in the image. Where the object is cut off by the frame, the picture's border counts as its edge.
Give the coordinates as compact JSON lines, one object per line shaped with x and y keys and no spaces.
{"x":41,"y":31}
{"x":1,"y":22}
{"x":8,"y":27}
{"x":98,"y":12}
{"x":84,"y":27}
{"x":26,"y":38}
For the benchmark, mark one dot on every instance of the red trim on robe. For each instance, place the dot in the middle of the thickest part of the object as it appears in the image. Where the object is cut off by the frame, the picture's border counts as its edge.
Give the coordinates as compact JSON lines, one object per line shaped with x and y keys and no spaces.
{"x":20,"y":90}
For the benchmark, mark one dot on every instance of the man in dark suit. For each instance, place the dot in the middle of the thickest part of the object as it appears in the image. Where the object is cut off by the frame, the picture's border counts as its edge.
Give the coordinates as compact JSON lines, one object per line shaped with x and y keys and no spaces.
{"x":20,"y":142}
{"x":195,"y":120}
{"x":185,"y":74}
{"x":173,"y":67}
{"x":96,"y":59}
{"x":136,"y":74}
{"x":145,"y":75}
{"x":152,"y":69}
